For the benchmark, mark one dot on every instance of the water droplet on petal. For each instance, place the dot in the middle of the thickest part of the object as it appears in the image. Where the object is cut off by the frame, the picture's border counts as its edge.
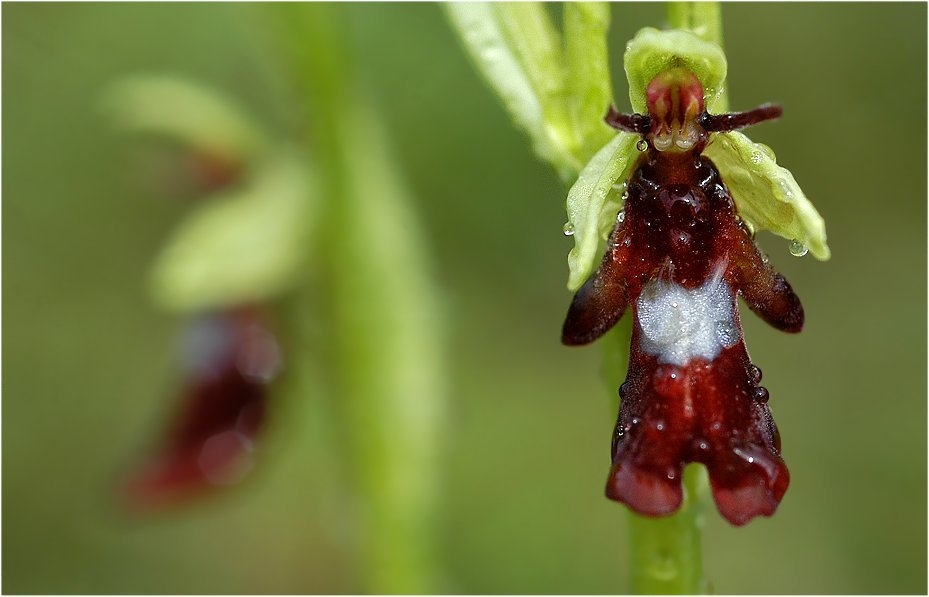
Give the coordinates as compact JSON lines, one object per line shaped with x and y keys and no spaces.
{"x":621,"y":216}
{"x":568,"y":229}
{"x":642,"y":145}
{"x":761,"y":394}
{"x":785,"y":188}
{"x":726,"y":333}
{"x":797,"y":248}
{"x":756,"y":157}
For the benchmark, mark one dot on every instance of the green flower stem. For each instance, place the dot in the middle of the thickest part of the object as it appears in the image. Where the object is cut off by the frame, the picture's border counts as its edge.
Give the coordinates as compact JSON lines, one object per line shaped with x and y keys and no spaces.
{"x":666,"y":556}
{"x":385,"y":335}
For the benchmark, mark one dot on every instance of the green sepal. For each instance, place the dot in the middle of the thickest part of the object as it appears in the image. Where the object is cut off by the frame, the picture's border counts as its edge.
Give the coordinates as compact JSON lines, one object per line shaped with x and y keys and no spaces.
{"x":766,"y":195}
{"x":593,"y":203}
{"x":652,"y":51}
{"x":241,"y":247}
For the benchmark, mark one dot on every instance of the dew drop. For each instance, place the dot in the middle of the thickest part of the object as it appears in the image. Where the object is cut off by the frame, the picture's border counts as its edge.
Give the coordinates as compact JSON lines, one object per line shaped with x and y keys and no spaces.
{"x":642,"y":145}
{"x":568,"y":229}
{"x":621,"y":216}
{"x":797,"y":248}
{"x":761,"y":394}
{"x":755,"y":373}
{"x":756,"y":157}
{"x":785,"y":188}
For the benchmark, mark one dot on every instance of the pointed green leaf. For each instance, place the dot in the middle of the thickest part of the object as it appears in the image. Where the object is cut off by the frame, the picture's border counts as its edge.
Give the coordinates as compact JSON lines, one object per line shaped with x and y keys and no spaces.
{"x":518,"y":50}
{"x":532,"y":35}
{"x":243,"y":247}
{"x":480,"y":29}
{"x":766,"y":195}
{"x":593,"y":203}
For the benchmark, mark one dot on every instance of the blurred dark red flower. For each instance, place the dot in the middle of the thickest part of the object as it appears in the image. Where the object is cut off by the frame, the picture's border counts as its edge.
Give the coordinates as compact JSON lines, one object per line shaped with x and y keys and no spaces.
{"x":230,"y":358}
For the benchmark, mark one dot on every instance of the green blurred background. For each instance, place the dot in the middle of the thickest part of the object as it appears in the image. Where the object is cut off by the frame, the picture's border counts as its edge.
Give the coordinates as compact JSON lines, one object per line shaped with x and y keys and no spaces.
{"x":90,"y":372}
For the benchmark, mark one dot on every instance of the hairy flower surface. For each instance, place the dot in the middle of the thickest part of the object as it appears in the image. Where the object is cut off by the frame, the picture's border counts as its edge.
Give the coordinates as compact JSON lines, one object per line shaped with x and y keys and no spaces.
{"x":680,"y":255}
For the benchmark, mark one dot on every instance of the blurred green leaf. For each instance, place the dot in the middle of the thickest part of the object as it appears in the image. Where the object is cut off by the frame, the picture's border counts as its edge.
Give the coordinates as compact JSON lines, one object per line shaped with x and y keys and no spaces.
{"x":766,"y":194}
{"x":189,"y":112}
{"x":242,"y":247}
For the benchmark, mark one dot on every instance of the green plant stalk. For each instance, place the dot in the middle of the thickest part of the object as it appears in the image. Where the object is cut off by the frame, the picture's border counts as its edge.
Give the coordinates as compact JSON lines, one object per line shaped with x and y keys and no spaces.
{"x":387,"y":347}
{"x":666,"y":553}
{"x":666,"y":556}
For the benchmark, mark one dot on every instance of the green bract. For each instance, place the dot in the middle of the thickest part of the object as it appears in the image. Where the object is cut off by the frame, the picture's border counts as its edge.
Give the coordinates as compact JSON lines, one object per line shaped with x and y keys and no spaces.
{"x":766,"y":195}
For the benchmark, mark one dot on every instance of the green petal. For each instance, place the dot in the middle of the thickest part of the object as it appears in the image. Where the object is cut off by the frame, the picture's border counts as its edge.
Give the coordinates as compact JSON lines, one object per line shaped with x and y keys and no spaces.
{"x":239,"y":248}
{"x":766,"y":195}
{"x":593,"y":203}
{"x":652,"y":51}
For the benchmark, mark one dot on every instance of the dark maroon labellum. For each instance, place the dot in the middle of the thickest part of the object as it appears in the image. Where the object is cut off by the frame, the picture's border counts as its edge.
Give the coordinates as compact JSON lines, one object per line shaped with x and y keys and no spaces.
{"x":680,"y":257}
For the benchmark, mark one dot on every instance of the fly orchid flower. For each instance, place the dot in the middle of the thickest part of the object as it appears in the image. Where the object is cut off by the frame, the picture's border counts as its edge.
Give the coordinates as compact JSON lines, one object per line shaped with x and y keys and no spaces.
{"x":680,"y":253}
